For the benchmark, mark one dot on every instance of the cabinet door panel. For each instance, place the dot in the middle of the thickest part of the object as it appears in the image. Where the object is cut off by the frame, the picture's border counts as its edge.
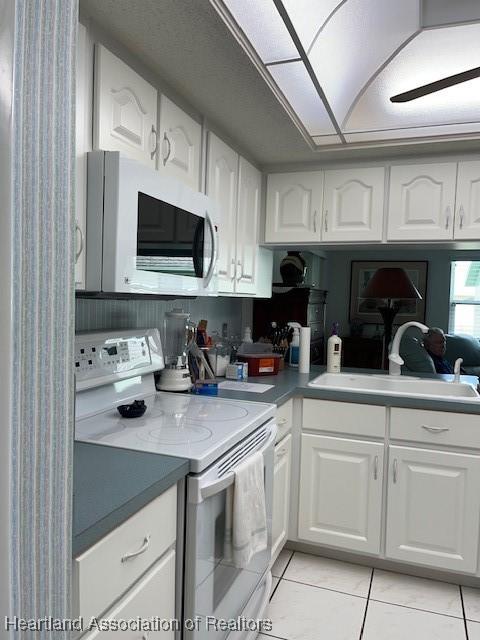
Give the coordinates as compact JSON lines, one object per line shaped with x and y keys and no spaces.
{"x":180,"y":137}
{"x":353,"y":205}
{"x":125,"y":117}
{"x":433,"y":508}
{"x":467,"y":217}
{"x":294,"y":206}
{"x":222,"y":184}
{"x":341,"y":492}
{"x":422,"y":201}
{"x":249,"y":192}
{"x":153,"y":596}
{"x":281,"y":494}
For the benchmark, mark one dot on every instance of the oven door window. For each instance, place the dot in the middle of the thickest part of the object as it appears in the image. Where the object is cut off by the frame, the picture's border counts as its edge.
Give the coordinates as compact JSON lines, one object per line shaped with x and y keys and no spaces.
{"x":169,"y":239}
{"x":216,"y":586}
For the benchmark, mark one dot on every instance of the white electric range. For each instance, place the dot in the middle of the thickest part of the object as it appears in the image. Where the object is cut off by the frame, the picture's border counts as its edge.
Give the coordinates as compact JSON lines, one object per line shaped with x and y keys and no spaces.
{"x":116,"y":368}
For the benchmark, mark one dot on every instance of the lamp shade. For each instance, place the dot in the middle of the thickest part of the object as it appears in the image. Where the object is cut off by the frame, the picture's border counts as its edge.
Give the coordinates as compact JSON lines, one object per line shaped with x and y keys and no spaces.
{"x":391,"y":283}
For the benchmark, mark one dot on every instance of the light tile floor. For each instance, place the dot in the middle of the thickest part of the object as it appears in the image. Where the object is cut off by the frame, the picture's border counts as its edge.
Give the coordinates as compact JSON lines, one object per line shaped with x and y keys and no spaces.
{"x":314,"y":598}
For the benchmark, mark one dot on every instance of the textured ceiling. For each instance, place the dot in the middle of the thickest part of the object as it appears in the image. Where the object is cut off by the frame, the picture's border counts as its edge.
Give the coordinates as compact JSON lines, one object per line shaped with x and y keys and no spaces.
{"x":187,"y":44}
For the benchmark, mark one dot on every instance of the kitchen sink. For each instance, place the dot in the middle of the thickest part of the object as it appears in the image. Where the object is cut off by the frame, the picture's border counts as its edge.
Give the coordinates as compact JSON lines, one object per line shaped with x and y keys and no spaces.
{"x":395,"y":385}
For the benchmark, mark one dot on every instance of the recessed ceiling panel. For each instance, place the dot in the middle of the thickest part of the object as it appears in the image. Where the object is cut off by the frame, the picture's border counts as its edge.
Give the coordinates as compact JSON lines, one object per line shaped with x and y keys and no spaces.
{"x":297,"y":87}
{"x":308,"y":17}
{"x":432,"y":55}
{"x":400,"y":135}
{"x":321,"y":141}
{"x":356,"y":42}
{"x":263,"y":26}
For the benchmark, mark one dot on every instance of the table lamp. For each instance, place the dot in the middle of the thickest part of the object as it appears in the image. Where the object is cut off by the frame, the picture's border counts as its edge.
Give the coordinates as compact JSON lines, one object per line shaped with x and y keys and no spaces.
{"x":390,"y":284}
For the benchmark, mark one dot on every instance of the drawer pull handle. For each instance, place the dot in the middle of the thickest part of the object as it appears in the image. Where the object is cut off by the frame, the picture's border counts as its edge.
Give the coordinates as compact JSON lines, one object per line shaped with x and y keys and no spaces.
{"x":281,"y":421}
{"x":375,"y":468}
{"x":134,"y":554}
{"x":395,"y":471}
{"x":435,"y":429}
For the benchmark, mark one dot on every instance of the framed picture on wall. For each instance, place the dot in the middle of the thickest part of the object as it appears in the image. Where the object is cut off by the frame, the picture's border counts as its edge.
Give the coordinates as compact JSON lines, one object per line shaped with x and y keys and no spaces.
{"x":365,"y":309}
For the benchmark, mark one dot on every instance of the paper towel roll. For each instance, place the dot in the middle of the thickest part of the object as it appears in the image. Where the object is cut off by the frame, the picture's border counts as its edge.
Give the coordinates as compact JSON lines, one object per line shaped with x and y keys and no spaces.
{"x":304,"y":357}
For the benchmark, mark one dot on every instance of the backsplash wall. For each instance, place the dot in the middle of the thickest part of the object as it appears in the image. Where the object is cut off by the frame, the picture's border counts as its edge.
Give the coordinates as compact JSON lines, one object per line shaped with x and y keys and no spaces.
{"x":92,"y":315}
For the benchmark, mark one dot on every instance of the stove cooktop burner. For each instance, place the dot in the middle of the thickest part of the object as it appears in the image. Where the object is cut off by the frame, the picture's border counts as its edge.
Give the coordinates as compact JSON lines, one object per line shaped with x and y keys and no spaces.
{"x":173,"y":435}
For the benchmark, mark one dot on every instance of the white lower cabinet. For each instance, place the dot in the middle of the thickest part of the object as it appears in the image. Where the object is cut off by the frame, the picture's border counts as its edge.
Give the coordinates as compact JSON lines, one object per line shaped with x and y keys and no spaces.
{"x":281,"y":494}
{"x":433,"y":508}
{"x":341,"y":492}
{"x":130,"y":573}
{"x":152,"y":597}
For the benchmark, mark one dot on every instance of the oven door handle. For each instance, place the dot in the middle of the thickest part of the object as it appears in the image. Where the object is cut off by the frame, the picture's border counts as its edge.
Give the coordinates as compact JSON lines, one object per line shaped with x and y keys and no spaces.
{"x":211,"y":489}
{"x":213,"y":261}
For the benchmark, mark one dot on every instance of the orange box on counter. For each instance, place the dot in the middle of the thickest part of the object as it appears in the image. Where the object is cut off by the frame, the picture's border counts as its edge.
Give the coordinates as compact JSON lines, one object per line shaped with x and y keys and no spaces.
{"x":261,"y":364}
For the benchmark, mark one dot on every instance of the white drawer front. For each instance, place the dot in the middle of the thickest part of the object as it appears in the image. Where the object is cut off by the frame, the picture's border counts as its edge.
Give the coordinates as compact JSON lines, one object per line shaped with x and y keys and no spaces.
{"x":107,"y":569}
{"x":284,"y":419}
{"x":344,"y":417}
{"x":152,"y":597}
{"x":436,"y":427}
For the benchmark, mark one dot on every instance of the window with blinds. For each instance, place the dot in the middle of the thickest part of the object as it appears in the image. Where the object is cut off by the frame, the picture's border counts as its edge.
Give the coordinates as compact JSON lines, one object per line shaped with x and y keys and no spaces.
{"x":465,"y":298}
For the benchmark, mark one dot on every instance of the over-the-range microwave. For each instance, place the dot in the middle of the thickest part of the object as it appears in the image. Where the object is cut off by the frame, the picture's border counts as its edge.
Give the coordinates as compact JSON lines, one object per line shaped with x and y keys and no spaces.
{"x":146,"y":232}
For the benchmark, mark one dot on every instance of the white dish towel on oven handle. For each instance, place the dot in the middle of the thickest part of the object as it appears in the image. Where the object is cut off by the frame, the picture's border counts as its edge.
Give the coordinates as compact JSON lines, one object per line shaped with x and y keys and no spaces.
{"x":248,"y":511}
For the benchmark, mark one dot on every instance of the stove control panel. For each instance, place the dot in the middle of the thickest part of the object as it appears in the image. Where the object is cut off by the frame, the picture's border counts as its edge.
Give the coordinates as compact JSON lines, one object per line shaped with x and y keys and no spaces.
{"x":107,"y":357}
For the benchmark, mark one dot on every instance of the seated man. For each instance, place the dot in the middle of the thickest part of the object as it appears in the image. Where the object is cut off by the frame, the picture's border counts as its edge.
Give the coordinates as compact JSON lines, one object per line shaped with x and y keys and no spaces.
{"x":435,"y":344}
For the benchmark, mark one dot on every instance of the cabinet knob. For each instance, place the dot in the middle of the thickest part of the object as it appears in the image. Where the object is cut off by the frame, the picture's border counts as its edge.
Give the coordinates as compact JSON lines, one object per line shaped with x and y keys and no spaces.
{"x":435,"y":429}
{"x":168,"y":145}
{"x":134,"y":554}
{"x":447,"y":218}
{"x":79,"y":244}
{"x":154,"y":138}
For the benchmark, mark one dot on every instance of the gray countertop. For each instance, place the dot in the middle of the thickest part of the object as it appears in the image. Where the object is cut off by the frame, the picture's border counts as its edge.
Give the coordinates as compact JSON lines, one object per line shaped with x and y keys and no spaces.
{"x":111,"y":484}
{"x":289,"y":383}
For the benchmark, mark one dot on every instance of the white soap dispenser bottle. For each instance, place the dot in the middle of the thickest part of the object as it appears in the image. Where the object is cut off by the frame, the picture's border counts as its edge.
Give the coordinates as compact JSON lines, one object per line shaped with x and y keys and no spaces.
{"x":334,"y":351}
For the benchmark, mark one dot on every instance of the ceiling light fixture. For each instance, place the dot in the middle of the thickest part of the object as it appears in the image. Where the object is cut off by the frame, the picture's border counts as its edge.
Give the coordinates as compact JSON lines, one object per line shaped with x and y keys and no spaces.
{"x":438,"y":85}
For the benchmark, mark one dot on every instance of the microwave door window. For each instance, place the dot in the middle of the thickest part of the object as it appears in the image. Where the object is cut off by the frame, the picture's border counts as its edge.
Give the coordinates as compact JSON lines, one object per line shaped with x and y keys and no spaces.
{"x":169,"y":239}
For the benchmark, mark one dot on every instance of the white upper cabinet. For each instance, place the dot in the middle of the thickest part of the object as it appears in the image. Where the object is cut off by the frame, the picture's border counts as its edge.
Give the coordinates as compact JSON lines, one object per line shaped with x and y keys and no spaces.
{"x":125,"y":116}
{"x":294,"y":207}
{"x":222,"y":187}
{"x":243,"y":268}
{"x":433,"y":508}
{"x":83,"y":144}
{"x":249,"y":193}
{"x":422,"y":202}
{"x":353,"y":205}
{"x":180,"y":140}
{"x":467,"y":215}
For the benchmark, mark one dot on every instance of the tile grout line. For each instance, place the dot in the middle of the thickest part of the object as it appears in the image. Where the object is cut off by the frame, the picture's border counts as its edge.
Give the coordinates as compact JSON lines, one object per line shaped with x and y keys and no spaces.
{"x":366,"y":606}
{"x":281,"y":576}
{"x":463,"y":611}
{"x":316,"y":586}
{"x":406,"y":606}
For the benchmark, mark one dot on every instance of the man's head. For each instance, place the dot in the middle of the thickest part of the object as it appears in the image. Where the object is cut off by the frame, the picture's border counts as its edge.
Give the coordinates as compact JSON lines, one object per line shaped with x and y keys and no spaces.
{"x":435,"y":342}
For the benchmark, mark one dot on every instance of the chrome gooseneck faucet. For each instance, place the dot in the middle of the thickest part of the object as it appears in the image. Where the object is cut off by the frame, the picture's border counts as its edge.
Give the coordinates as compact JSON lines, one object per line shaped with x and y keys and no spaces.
{"x":395,"y":361}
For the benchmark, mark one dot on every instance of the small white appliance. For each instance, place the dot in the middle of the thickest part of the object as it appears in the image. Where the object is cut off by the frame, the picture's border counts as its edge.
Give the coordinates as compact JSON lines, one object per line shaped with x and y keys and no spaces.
{"x":178,"y":334}
{"x":146,"y":232}
{"x":215,"y":435}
